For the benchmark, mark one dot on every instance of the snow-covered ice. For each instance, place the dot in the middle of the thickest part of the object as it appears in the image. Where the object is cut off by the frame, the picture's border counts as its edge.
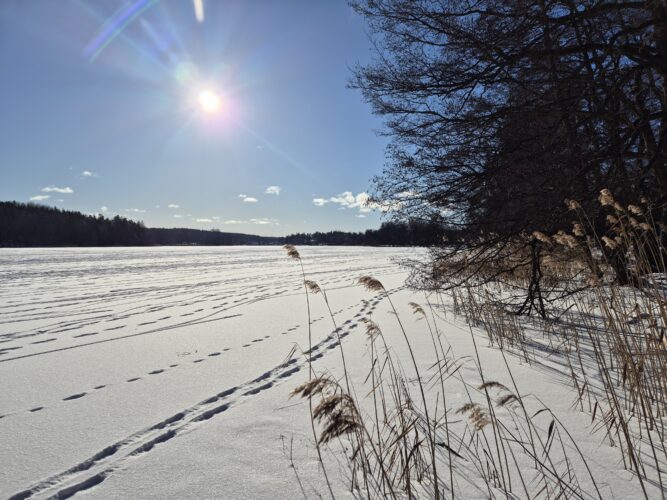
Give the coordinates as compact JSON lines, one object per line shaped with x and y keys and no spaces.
{"x":164,"y":372}
{"x":100,"y":347}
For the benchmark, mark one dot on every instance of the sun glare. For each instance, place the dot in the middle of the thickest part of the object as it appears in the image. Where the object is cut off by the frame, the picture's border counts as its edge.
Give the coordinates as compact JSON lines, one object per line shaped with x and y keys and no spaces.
{"x":209,"y":101}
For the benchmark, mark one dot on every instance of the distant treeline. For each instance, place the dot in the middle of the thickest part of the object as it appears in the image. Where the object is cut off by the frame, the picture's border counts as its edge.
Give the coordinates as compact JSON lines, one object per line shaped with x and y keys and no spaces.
{"x":32,"y":225}
{"x":411,"y":233}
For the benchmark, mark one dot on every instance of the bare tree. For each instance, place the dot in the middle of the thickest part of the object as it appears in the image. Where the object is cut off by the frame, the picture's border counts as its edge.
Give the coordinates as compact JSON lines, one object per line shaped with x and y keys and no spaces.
{"x":500,"y":110}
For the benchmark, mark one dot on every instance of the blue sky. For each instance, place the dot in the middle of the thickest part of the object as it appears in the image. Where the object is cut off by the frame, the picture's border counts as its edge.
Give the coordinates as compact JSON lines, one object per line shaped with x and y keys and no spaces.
{"x":100,"y":112}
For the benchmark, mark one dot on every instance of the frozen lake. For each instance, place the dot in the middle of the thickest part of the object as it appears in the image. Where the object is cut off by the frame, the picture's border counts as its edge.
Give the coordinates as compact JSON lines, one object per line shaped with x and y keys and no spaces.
{"x":167,"y":372}
{"x":100,"y":346}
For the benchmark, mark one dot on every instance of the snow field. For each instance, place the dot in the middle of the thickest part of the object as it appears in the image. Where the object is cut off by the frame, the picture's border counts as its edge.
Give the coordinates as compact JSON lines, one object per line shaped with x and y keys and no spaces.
{"x":166,"y":373}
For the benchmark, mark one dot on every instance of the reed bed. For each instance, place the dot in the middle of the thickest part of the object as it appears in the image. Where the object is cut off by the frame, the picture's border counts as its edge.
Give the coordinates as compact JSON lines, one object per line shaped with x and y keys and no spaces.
{"x":406,"y":437}
{"x":606,"y":323}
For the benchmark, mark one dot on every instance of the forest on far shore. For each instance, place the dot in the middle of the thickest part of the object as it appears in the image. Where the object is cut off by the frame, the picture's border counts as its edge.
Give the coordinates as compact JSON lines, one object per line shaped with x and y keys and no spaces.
{"x":33,"y":225}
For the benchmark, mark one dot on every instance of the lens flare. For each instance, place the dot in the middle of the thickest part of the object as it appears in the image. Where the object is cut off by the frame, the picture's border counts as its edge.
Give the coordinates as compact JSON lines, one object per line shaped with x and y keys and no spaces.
{"x":209,"y":101}
{"x":115,"y":25}
{"x":199,"y":10}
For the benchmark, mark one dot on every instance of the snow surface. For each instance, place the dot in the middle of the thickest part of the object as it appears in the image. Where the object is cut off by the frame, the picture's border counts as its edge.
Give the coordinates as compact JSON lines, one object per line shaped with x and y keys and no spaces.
{"x":164,"y":372}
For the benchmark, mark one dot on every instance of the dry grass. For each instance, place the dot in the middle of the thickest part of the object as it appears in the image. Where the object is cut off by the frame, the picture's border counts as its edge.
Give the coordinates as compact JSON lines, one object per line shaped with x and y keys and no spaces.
{"x":404,"y":432}
{"x":606,"y":321}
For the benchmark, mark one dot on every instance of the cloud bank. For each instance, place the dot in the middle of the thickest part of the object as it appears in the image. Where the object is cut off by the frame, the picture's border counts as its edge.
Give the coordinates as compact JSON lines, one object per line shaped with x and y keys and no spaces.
{"x":56,"y":189}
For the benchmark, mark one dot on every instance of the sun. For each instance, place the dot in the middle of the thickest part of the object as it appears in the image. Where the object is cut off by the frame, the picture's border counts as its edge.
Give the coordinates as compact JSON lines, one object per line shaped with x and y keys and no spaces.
{"x":209,"y":101}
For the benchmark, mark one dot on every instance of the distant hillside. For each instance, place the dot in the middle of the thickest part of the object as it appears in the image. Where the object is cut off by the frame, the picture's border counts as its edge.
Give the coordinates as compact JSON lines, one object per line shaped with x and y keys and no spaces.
{"x":184,"y":236}
{"x":31,"y":225}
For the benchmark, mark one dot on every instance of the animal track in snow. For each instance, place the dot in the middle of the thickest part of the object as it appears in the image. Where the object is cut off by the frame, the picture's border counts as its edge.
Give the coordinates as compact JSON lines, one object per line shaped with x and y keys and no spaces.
{"x":65,"y":484}
{"x":85,"y":335}
{"x":96,"y":469}
{"x":93,"y":471}
{"x":75,"y":396}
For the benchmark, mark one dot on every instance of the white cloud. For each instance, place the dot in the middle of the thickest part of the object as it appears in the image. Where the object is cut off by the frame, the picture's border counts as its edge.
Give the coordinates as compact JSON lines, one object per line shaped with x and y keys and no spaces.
{"x":347,"y":200}
{"x":40,"y":197}
{"x":178,"y":216}
{"x":264,"y":221}
{"x":248,"y":199}
{"x":407,"y":194}
{"x":135,"y":210}
{"x":360,"y":216}
{"x":362,"y":199}
{"x":104,"y":208}
{"x":87,"y":173}
{"x":272,"y":190}
{"x":386,"y":206}
{"x":55,"y":189}
{"x":204,"y":220}
{"x":173,"y":205}
{"x":259,"y":221}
